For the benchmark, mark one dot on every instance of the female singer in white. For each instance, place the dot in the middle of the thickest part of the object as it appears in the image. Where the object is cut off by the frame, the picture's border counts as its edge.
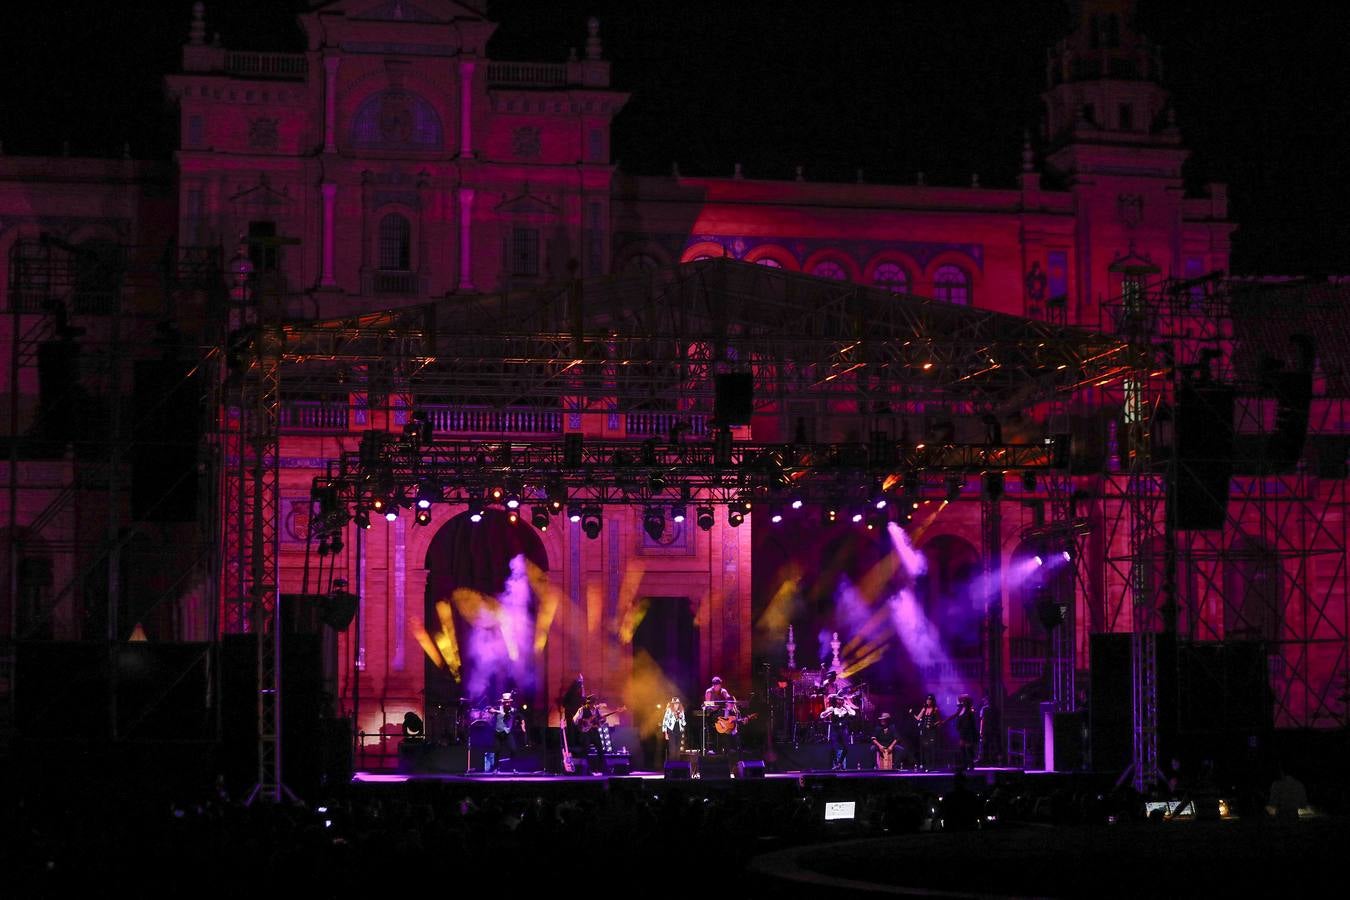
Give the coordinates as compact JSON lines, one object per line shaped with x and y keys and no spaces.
{"x":672,"y":728}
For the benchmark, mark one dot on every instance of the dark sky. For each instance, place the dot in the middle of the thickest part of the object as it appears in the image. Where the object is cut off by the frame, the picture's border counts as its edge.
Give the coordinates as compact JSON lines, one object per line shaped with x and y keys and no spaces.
{"x":1261,"y":90}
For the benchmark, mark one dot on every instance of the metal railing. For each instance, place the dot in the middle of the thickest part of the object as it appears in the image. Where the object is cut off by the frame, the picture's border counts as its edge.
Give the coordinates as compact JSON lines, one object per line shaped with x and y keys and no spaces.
{"x":489,"y":420}
{"x":266,"y":65}
{"x":314,"y":415}
{"x":661,"y":423}
{"x":527,"y":74}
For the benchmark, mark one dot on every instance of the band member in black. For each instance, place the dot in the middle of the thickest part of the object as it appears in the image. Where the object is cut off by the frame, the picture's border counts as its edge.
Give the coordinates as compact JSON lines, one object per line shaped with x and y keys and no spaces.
{"x":838,"y":716}
{"x":967,"y":731}
{"x":672,"y":728}
{"x":991,"y":735}
{"x":930,"y":722}
{"x":506,"y":724}
{"x":588,"y":718}
{"x":886,"y":742}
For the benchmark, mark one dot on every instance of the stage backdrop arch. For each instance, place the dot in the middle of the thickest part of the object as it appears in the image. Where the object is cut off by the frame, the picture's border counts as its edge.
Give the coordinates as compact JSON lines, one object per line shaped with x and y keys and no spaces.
{"x":494,"y":614}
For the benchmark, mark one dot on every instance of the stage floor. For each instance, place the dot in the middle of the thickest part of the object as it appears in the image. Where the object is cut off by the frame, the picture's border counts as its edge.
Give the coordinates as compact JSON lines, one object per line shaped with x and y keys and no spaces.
{"x":921,"y":780}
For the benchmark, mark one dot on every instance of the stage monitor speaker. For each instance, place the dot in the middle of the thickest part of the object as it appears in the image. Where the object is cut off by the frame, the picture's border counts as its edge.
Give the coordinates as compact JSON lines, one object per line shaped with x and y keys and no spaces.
{"x":750,"y":768}
{"x":677,"y":770}
{"x":1204,"y":456}
{"x":734,"y":398}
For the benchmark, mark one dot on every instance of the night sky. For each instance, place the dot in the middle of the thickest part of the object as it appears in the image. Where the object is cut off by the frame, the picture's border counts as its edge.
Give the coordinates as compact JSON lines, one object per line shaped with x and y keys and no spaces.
{"x":1261,"y":90}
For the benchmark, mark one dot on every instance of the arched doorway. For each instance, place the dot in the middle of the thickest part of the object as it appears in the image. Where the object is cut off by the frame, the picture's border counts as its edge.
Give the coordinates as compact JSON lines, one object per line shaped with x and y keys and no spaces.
{"x":478,"y":586}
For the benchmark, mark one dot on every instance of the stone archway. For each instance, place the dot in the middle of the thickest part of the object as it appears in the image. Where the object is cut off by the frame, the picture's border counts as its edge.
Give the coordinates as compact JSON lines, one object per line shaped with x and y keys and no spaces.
{"x":478,"y":569}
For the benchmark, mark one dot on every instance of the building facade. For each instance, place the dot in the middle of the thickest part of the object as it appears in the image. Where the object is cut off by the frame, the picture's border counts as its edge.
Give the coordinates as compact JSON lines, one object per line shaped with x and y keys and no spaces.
{"x":393,"y":163}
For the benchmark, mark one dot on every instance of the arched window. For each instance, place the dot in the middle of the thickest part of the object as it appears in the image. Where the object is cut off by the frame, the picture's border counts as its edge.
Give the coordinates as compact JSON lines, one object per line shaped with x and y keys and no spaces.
{"x":828,"y":268}
{"x":952,"y":285}
{"x":892,"y":277}
{"x":395,"y":243}
{"x":640,"y":263}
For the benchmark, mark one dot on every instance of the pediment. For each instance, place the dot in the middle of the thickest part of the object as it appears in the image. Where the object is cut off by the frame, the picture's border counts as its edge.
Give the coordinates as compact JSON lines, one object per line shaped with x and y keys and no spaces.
{"x":527,"y":205}
{"x":261,"y":195}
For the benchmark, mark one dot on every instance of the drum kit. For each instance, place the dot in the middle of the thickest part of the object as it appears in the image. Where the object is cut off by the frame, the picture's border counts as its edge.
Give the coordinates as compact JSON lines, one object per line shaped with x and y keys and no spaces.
{"x":810,"y":693}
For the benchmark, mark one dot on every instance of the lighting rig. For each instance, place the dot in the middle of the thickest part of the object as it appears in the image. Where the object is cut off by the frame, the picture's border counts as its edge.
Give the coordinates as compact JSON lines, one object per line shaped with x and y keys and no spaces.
{"x":863,"y":482}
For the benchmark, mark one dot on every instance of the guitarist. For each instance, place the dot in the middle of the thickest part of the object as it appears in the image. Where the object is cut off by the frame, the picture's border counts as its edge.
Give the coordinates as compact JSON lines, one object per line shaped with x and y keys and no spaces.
{"x":588,"y":718}
{"x":719,"y":703}
{"x":885,"y":741}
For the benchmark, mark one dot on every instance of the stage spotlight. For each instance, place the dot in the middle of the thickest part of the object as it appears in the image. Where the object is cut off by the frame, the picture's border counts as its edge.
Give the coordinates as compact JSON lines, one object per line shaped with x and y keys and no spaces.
{"x":512,"y":516}
{"x":423,"y":517}
{"x":856,"y":517}
{"x":557,"y":496}
{"x":775,"y":514}
{"x":412,"y":727}
{"x":878,"y":497}
{"x":796,"y":503}
{"x":876,"y":521}
{"x":735,"y":516}
{"x":390,"y":513}
{"x":475,"y":511}
{"x":677,"y":513}
{"x":574,"y":513}
{"x":1029,"y":482}
{"x":1066,"y":555}
{"x":830,"y":514}
{"x":377,"y":504}
{"x":539,"y":517}
{"x":704,"y":517}
{"x":654,"y":522}
{"x":656,"y":483}
{"x":1038,"y":560}
{"x":427,"y":494}
{"x":993,"y":485}
{"x":495,"y":493}
{"x":954,"y":485}
{"x":590,"y":522}
{"x":362,"y":519}
{"x":512,"y":496}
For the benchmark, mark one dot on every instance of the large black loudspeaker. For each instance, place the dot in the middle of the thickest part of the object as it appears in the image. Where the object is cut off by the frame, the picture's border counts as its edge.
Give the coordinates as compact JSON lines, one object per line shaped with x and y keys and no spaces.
{"x":1204,"y":451}
{"x":312,"y":746}
{"x":1224,"y":687}
{"x":735,"y":398}
{"x":1110,"y":707}
{"x":1293,"y":401}
{"x":58,"y":383}
{"x":165,"y":430}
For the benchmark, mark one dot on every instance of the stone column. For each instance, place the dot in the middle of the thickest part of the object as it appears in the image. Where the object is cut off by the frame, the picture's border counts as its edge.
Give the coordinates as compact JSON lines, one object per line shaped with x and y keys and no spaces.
{"x":329,"y":239}
{"x":466,"y":68}
{"x":466,"y":239}
{"x":330,"y":65}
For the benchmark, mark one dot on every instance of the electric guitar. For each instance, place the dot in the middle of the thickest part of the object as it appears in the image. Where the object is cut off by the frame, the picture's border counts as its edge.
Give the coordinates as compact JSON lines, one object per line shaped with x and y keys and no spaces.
{"x":568,"y":765}
{"x":590,"y":723}
{"x":729,"y":724}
